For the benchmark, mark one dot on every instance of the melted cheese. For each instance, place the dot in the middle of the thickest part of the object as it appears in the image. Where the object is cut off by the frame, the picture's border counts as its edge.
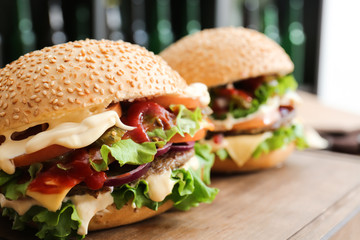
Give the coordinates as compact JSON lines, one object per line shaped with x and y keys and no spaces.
{"x":50,"y":201}
{"x":198,"y":91}
{"x":240,"y":148}
{"x":193,"y":163}
{"x":21,"y":206}
{"x":70,"y":134}
{"x":160,"y":185}
{"x":265,"y":111}
{"x":87,"y":206}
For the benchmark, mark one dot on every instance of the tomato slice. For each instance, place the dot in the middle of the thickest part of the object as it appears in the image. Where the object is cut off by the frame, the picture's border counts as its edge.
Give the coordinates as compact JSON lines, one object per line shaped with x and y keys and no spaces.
{"x":40,"y":156}
{"x":168,"y":100}
{"x":177,"y":138}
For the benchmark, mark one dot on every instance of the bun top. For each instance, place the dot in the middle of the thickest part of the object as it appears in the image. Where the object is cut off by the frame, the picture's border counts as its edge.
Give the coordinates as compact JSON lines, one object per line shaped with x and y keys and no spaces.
{"x":68,"y":78}
{"x":223,"y":55}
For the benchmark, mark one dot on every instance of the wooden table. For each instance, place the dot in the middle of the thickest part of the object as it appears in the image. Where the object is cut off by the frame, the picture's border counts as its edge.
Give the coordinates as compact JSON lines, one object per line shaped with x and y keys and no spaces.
{"x":315,"y":195}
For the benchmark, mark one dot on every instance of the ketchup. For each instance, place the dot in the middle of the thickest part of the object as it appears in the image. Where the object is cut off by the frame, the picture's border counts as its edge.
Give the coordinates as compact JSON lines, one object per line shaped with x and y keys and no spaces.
{"x":62,"y":176}
{"x":146,"y":116}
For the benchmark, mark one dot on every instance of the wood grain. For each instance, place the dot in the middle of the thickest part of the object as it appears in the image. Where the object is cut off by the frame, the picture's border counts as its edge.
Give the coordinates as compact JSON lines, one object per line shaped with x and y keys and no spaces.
{"x":310,"y":197}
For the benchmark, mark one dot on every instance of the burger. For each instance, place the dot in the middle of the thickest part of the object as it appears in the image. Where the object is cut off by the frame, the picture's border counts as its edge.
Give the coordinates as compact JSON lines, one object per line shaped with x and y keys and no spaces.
{"x":252,"y":91}
{"x":97,"y":134}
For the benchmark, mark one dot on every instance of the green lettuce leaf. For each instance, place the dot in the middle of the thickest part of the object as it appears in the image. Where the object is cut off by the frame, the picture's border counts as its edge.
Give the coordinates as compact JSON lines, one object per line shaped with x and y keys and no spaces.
{"x":13,"y":189}
{"x":4,"y":177}
{"x":187,"y":121}
{"x":164,"y":135}
{"x":127,"y":152}
{"x":138,"y":193}
{"x":222,"y":154}
{"x":206,"y":159}
{"x":60,"y":225}
{"x":188,"y":180}
{"x":280,"y":138}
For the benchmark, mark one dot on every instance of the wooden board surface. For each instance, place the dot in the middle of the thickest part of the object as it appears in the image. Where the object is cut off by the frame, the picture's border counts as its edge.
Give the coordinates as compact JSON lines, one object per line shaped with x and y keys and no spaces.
{"x":316,"y":114}
{"x":310,"y":197}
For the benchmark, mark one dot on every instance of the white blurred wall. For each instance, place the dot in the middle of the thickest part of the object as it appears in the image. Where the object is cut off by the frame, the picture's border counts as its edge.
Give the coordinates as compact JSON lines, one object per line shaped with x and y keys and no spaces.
{"x":339,"y":64}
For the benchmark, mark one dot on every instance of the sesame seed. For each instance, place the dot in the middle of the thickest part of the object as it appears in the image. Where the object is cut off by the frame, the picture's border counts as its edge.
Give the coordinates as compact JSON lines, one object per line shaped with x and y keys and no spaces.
{"x":78,"y":58}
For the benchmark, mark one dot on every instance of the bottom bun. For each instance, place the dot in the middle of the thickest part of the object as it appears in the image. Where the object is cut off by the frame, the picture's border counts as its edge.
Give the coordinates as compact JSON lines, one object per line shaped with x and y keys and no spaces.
{"x":113,"y":217}
{"x":265,"y":161}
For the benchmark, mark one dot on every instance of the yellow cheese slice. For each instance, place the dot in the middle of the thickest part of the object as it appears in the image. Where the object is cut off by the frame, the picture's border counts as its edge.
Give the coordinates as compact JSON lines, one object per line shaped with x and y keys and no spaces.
{"x":240,"y":148}
{"x":50,"y":201}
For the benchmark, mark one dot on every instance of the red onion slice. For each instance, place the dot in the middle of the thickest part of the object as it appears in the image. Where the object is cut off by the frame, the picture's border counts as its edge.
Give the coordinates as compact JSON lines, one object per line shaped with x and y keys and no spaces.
{"x":183,"y":146}
{"x":163,"y":150}
{"x":127,"y":177}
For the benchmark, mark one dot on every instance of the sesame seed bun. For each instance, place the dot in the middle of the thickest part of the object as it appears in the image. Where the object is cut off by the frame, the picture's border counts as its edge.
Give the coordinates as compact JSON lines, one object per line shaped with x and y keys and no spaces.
{"x":224,"y":55}
{"x":113,"y":217}
{"x":64,"y":79}
{"x":265,"y":161}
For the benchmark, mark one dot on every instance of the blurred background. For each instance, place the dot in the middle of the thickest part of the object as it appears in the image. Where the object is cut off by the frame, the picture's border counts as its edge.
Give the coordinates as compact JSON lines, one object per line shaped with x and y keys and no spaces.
{"x":318,"y":35}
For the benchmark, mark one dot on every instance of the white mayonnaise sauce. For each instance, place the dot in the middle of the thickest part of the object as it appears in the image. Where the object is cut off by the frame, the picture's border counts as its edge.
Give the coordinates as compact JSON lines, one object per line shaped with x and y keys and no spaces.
{"x":68,"y":134}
